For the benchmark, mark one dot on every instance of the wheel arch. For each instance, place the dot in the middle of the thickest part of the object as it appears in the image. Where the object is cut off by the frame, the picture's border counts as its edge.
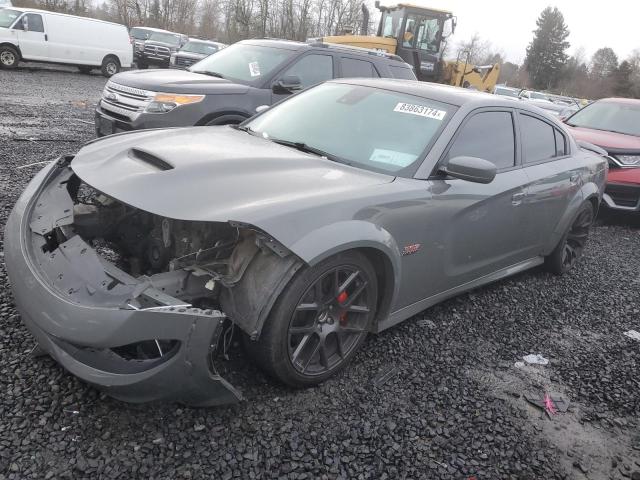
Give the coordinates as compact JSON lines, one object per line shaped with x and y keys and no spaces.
{"x":241,"y":116}
{"x":111,"y":55}
{"x":588,"y":193}
{"x":375,"y":242}
{"x":249,"y":302}
{"x":12,"y":45}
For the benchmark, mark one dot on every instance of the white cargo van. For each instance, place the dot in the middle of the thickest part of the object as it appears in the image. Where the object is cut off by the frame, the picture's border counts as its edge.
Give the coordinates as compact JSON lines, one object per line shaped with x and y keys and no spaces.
{"x":40,"y":36}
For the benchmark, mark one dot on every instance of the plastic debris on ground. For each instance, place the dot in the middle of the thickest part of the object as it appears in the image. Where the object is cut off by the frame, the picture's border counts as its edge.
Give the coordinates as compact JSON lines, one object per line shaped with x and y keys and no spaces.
{"x":633,"y":334}
{"x":536,"y":359}
{"x":551,"y":403}
{"x":384,"y":375}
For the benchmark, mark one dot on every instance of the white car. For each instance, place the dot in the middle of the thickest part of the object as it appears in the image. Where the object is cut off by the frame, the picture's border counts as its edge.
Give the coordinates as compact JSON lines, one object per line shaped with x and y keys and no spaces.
{"x":40,"y":36}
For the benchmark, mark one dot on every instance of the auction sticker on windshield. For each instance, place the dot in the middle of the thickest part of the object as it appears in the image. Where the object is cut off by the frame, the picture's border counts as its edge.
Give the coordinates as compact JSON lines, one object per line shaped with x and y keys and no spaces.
{"x":420,"y":110}
{"x":254,"y":69}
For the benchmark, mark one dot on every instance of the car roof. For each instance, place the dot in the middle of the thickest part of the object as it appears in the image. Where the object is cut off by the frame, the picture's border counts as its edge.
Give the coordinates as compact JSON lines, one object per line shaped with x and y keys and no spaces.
{"x":457,"y":96}
{"x":317,"y":44}
{"x":37,"y":10}
{"x":624,"y":101}
{"x":151,"y":29}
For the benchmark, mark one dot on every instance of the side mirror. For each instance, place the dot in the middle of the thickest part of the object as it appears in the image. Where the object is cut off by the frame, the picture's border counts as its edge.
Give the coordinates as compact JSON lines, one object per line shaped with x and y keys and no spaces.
{"x":25,"y":24}
{"x":471,"y":169}
{"x":287,"y":84}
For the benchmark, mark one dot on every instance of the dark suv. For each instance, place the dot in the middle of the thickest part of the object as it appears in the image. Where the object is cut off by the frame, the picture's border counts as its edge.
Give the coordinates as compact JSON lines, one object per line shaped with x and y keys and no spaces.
{"x":159,"y":47}
{"x":233,"y":84}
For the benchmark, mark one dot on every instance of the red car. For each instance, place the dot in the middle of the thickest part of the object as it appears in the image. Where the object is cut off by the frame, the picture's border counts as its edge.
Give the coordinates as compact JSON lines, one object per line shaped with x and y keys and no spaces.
{"x":614,"y":125}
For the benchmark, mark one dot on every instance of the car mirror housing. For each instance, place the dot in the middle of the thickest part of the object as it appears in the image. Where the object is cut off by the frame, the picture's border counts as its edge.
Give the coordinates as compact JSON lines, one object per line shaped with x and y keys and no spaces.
{"x":287,"y":84}
{"x":471,"y":169}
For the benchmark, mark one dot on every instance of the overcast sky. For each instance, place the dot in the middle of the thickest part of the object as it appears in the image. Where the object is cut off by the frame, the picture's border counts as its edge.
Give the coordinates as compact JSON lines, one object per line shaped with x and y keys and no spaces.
{"x":509,"y":25}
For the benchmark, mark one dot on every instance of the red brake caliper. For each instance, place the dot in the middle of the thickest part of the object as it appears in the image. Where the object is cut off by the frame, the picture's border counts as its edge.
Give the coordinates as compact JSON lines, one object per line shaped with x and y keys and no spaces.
{"x":342,"y":298}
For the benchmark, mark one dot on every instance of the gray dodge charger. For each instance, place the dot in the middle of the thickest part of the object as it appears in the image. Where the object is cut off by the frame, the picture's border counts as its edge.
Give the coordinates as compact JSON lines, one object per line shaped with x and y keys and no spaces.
{"x":341,"y":211}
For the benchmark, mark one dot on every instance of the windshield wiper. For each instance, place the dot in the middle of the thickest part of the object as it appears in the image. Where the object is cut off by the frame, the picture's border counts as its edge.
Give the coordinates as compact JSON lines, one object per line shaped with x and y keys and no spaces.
{"x":244,"y":128}
{"x":303,"y":147}
{"x":205,"y":72}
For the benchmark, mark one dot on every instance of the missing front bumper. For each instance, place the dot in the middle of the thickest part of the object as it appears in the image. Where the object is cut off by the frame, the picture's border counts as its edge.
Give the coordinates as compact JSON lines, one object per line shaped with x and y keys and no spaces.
{"x":67,"y":299}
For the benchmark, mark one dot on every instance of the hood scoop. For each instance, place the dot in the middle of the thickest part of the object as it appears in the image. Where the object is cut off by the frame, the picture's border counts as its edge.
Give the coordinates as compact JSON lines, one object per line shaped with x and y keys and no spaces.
{"x":149,"y":159}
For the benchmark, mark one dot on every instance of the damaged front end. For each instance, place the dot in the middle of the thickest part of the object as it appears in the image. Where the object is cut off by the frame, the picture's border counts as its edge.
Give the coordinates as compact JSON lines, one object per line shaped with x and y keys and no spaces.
{"x":133,"y":302}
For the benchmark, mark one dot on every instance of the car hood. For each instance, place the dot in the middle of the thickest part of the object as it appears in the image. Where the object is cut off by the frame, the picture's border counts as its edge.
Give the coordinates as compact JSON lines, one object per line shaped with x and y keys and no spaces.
{"x":216,"y":174}
{"x":610,"y":141}
{"x":178,"y":81}
{"x":197,"y":56}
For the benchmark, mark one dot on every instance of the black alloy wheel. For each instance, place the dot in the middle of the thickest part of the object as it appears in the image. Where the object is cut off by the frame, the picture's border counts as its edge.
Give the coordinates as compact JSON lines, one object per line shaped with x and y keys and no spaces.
{"x":330,"y":320}
{"x":570,"y":249}
{"x":319,"y":321}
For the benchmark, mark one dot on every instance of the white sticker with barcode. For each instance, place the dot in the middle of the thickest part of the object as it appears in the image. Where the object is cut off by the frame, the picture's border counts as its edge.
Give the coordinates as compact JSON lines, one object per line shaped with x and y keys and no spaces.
{"x":420,"y":110}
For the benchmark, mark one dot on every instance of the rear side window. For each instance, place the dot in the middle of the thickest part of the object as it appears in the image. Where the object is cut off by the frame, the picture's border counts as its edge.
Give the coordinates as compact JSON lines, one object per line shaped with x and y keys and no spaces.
{"x":561,"y":143}
{"x":312,"y":69}
{"x":358,"y":68}
{"x":540,"y":141}
{"x":34,"y":22}
{"x":403,"y":73}
{"x":487,"y":135}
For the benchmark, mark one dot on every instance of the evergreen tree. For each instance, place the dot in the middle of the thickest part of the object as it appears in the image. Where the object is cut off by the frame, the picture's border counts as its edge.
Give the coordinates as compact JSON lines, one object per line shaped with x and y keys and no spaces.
{"x":546,"y":52}
{"x":623,"y":86}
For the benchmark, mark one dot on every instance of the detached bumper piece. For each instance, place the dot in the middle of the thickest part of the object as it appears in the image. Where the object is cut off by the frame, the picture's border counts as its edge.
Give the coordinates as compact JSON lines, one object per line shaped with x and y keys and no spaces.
{"x":122,"y":334}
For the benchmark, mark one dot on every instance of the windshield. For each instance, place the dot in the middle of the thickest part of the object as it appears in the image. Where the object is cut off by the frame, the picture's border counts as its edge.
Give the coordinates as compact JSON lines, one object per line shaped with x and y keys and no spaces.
{"x":7,"y":17}
{"x":244,"y":62}
{"x":506,"y":92}
{"x":138,"y":33}
{"x":609,"y":116}
{"x":200,"y":47}
{"x":539,"y":96}
{"x":165,"y":38}
{"x":375,"y":129}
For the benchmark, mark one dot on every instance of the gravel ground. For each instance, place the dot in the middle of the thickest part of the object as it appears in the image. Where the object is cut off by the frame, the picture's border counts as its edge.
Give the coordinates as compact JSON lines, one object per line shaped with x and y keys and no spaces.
{"x":452,"y":406}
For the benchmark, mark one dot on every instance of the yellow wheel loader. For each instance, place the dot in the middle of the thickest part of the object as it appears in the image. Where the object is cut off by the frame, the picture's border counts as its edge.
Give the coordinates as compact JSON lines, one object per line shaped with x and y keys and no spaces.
{"x":417,"y":35}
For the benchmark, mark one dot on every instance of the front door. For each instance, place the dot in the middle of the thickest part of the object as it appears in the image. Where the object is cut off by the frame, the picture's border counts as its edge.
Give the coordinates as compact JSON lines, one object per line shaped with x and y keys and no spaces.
{"x":32,"y":37}
{"x":478,"y":228}
{"x":310,"y":69}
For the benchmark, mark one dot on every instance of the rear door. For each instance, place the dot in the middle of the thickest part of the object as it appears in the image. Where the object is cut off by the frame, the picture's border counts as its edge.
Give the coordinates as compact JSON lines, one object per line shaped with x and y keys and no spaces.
{"x":32,"y":37}
{"x":357,"y":68}
{"x":553,"y":177}
{"x":479,"y":227}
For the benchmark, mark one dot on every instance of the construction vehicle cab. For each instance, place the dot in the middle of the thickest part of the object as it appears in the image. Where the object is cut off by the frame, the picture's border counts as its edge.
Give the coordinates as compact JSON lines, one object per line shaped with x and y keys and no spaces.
{"x":418,"y":33}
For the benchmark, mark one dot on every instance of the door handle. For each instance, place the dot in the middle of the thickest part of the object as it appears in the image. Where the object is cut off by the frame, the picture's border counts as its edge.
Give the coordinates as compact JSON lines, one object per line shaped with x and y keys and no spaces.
{"x":517,"y":198}
{"x":46,"y":37}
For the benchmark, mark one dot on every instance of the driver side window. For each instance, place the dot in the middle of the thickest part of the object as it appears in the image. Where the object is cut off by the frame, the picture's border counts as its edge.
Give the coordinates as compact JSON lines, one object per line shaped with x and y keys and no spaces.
{"x":312,"y":69}
{"x":487,"y":135}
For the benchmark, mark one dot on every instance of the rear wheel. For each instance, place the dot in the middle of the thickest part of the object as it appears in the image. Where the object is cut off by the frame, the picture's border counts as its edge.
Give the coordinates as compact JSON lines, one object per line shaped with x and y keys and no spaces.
{"x":110,"y":66}
{"x":9,"y":57}
{"x":570,"y":248}
{"x":319,"y":321}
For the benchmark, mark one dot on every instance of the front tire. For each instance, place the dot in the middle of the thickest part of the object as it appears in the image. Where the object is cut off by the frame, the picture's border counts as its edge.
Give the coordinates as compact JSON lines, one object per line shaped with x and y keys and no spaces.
{"x":319,"y":321}
{"x":110,"y":66}
{"x":9,"y":57}
{"x":570,"y":248}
